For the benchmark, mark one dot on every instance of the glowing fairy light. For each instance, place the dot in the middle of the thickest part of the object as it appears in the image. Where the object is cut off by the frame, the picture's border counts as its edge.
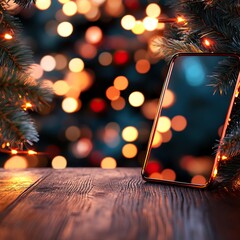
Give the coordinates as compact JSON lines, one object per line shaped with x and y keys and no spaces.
{"x":8,"y":36}
{"x":43,"y":4}
{"x":207,"y":42}
{"x":48,"y":63}
{"x":180,"y":19}
{"x":31,"y":152}
{"x":69,"y":8}
{"x":150,"y":23}
{"x":215,"y":172}
{"x":153,"y":10}
{"x":14,"y":151}
{"x":108,"y":163}
{"x":128,"y":22}
{"x":224,"y":157}
{"x":136,"y":99}
{"x":65,"y":29}
{"x":59,"y":162}
{"x":130,"y":134}
{"x":26,"y":106}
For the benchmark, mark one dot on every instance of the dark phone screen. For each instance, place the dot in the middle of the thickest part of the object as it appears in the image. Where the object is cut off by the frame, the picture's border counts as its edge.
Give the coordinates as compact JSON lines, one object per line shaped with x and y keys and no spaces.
{"x":189,"y":122}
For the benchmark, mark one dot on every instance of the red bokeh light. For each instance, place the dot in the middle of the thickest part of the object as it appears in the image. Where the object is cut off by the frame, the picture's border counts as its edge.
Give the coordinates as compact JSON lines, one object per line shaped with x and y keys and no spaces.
{"x":97,"y":105}
{"x":120,"y":57}
{"x":153,"y":167}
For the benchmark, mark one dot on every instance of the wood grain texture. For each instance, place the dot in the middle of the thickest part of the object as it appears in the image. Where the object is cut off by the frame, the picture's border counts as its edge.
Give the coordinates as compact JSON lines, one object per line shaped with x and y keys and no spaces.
{"x":91,"y":203}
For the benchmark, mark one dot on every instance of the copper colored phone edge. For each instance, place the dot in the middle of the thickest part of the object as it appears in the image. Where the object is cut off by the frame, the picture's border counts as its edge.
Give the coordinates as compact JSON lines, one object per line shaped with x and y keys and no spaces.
{"x":159,"y":109}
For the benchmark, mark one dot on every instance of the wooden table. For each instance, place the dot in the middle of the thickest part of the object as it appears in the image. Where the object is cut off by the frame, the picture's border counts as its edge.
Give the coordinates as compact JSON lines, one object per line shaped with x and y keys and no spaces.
{"x":91,"y":203}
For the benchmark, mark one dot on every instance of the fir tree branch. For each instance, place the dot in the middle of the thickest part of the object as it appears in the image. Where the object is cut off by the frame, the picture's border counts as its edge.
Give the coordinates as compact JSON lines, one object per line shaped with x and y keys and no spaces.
{"x":166,"y":48}
{"x":25,"y":89}
{"x":225,"y":75}
{"x":16,"y":125}
{"x":23,"y":3}
{"x":14,"y":54}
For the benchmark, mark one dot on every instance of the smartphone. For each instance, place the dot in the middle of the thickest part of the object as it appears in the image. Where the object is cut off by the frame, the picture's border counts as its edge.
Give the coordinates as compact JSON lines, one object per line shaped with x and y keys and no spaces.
{"x":191,"y":119}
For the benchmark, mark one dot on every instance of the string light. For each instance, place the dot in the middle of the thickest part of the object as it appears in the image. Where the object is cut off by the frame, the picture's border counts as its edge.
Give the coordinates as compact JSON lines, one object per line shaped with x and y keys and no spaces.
{"x":207,"y":42}
{"x":215,"y":172}
{"x":224,"y":157}
{"x":8,"y":36}
{"x":181,"y":19}
{"x":14,"y":151}
{"x":31,"y":152}
{"x":26,"y":106}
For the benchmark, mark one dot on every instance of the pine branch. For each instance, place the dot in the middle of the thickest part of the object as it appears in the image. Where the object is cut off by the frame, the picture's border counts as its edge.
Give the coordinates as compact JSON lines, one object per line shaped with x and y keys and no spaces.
{"x":225,"y":75}
{"x":166,"y":48}
{"x":26,"y":89}
{"x":23,"y":3}
{"x":14,"y":54}
{"x":16,"y":126}
{"x":230,"y":146}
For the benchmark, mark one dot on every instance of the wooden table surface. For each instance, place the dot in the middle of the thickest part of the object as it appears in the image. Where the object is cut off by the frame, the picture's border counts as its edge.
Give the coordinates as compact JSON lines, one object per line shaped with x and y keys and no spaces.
{"x":92,"y":203}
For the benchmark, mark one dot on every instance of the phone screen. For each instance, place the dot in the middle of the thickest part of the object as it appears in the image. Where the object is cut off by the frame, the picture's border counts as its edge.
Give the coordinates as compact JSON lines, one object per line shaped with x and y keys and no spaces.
{"x":191,"y":119}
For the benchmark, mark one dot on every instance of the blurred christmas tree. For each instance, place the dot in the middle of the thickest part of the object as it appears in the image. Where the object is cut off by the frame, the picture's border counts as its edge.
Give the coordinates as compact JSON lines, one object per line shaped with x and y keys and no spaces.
{"x":19,"y":90}
{"x":209,"y":26}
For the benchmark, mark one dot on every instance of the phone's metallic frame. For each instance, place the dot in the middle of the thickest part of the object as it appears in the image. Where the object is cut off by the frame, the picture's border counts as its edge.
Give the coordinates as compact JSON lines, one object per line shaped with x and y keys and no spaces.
{"x":159,"y":109}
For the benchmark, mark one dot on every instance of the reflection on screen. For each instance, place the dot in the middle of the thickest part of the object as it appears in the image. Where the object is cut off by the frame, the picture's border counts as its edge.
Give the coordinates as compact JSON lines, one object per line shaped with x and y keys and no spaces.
{"x":189,"y":122}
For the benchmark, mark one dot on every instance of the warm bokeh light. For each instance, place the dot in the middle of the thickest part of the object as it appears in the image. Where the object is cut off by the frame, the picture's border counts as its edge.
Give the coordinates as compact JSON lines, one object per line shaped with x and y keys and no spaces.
{"x":93,"y":35}
{"x":43,"y":4}
{"x":149,"y":108}
{"x":142,"y":66}
{"x":179,"y":123}
{"x":128,"y":22}
{"x":105,"y":58}
{"x":63,"y":1}
{"x":199,"y":179}
{"x":70,"y":105}
{"x":138,"y":27}
{"x":65,"y":29}
{"x":164,"y":124}
{"x":121,"y":57}
{"x":156,"y":175}
{"x":59,"y":162}
{"x":136,"y":99}
{"x":168,"y":174}
{"x":61,"y":61}
{"x":48,"y":63}
{"x":112,"y":93}
{"x":153,"y":10}
{"x":93,"y":14}
{"x":120,"y":82}
{"x":108,"y":163}
{"x":157,"y":140}
{"x":111,"y":134}
{"x":166,"y":136}
{"x":129,"y":150}
{"x":118,"y":104}
{"x":72,"y":133}
{"x":97,"y":105}
{"x":60,"y":87}
{"x":87,"y":50}
{"x":69,"y":8}
{"x":82,"y":148}
{"x":150,"y":23}
{"x":140,"y":54}
{"x":36,"y":71}
{"x":16,"y":162}
{"x":83,"y":6}
{"x":76,"y":65}
{"x":130,"y":134}
{"x":114,"y":8}
{"x":168,"y":99}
